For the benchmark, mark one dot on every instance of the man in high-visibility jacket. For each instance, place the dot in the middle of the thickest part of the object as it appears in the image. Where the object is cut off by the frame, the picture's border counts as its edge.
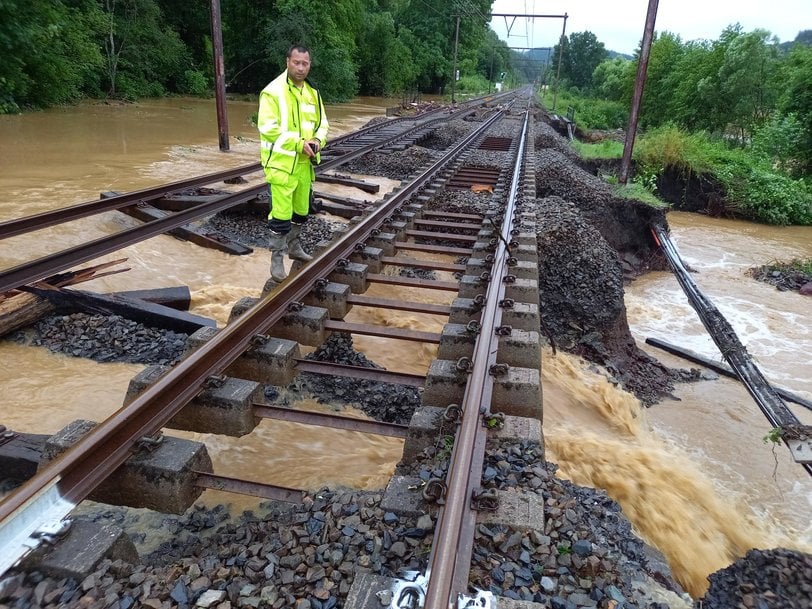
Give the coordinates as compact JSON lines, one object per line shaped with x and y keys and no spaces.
{"x":292,"y":131}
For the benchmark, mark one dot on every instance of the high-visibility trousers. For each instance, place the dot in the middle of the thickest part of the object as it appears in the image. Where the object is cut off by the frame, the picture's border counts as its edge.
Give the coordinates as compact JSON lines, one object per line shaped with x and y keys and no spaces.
{"x":290,"y":193}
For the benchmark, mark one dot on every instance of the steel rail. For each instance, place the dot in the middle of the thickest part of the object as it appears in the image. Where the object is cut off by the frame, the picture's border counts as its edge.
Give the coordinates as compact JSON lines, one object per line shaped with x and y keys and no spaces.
{"x":323,"y":419}
{"x":248,"y":487}
{"x":53,"y":492}
{"x":450,"y":557}
{"x":766,"y":398}
{"x":40,"y":268}
{"x":18,"y":226}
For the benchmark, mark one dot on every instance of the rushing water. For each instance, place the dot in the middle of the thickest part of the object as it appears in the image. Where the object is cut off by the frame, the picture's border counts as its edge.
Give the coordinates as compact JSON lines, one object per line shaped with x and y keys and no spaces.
{"x":692,"y":473}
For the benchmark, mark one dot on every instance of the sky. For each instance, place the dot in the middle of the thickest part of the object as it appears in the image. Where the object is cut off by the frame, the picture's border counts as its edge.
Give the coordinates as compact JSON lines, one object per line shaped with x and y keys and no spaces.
{"x":619,"y":24}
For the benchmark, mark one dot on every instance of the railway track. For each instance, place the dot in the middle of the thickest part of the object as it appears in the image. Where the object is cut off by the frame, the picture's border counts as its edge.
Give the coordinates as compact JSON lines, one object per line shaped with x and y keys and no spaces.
{"x":398,"y":133}
{"x":485,"y":357}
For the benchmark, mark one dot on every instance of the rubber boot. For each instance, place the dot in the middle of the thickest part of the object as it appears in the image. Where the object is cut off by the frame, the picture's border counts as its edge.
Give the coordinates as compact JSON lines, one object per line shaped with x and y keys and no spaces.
{"x":295,"y":250}
{"x":279,"y":246}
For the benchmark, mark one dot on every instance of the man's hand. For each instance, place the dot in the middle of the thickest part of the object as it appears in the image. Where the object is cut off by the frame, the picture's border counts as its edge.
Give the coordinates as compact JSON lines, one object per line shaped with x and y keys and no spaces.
{"x":311,"y":148}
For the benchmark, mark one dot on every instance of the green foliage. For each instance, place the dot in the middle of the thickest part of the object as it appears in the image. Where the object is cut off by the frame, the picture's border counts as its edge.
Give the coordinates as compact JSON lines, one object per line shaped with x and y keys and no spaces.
{"x":639,"y":192}
{"x":607,"y":149}
{"x":780,"y":140}
{"x":446,"y":445}
{"x":580,"y":55}
{"x":767,"y":196}
{"x":589,"y":113}
{"x":193,"y":82}
{"x":48,"y":52}
{"x":385,"y":64}
{"x":753,"y":187}
{"x":613,"y":79}
{"x":563,"y":549}
{"x":774,"y":436}
{"x":670,"y":146}
{"x":666,"y":52}
{"x":474,"y":84}
{"x":795,"y":97}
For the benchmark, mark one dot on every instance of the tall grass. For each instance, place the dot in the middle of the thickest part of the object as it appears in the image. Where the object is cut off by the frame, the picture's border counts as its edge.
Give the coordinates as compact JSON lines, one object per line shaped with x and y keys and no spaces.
{"x":607,"y":149}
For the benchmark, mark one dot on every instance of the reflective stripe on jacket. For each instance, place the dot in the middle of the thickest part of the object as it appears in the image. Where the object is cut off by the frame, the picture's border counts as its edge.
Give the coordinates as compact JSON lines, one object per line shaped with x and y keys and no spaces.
{"x":287,"y":119}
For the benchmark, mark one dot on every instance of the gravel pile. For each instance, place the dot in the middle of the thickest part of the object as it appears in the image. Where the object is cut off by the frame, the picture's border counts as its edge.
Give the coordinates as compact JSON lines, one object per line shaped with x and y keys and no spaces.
{"x":381,"y":401}
{"x":105,"y":338}
{"x":783,"y":276}
{"x":547,"y":137}
{"x":581,"y":298}
{"x":248,"y":225}
{"x":398,"y":165}
{"x":624,"y":224}
{"x":307,"y":556}
{"x":446,"y":135}
{"x":763,"y":579}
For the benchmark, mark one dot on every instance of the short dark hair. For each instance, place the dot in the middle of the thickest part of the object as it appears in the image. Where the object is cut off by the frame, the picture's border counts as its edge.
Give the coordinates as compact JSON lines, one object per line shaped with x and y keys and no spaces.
{"x":297,"y":47}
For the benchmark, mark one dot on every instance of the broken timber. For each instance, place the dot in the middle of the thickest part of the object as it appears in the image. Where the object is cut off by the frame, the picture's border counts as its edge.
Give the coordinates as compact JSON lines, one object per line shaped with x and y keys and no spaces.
{"x":178,"y":297}
{"x":348,"y":181}
{"x":147,"y":313}
{"x":721,"y":368}
{"x":19,"y":309}
{"x":20,"y":454}
{"x":146,"y":212}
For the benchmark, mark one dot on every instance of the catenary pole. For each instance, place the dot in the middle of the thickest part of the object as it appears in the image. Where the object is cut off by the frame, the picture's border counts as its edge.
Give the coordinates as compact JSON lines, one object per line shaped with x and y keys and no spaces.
{"x":560,"y":55}
{"x":219,"y":75}
{"x":454,"y":70}
{"x":639,"y":83}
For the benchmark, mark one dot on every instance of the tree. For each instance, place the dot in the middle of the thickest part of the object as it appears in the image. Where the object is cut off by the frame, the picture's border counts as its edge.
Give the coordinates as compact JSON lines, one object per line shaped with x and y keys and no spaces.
{"x":385,"y":63}
{"x":582,"y":53}
{"x":749,"y":63}
{"x":143,"y":54}
{"x":48,"y":51}
{"x":661,"y":81}
{"x":613,"y":79}
{"x":796,"y":98}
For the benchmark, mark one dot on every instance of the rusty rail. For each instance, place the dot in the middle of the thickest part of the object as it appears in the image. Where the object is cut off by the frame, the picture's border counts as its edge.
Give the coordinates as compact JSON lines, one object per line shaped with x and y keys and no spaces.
{"x":450,"y":558}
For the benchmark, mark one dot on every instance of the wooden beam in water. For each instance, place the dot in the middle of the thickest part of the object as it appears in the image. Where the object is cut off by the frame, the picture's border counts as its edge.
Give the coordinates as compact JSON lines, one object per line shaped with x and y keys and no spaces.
{"x":147,"y":313}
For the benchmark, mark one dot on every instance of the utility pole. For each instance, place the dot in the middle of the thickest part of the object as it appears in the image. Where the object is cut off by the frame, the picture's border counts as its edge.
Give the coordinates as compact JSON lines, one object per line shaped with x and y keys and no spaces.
{"x":219,"y":75}
{"x":454,"y":70}
{"x":490,"y":75}
{"x":560,"y":55}
{"x":639,"y":83}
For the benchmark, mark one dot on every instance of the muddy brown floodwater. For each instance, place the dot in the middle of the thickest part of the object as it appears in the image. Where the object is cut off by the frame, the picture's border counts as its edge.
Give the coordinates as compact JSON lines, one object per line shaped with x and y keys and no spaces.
{"x":693,"y":473}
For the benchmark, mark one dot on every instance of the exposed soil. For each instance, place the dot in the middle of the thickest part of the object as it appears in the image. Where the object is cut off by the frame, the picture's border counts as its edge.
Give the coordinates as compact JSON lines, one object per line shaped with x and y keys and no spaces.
{"x":589,"y":243}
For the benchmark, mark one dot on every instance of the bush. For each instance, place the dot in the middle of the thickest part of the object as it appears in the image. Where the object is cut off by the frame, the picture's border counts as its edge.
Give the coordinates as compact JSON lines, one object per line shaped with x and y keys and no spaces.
{"x":769,"y":197}
{"x":193,"y":82}
{"x":589,"y":113}
{"x":473,"y":84}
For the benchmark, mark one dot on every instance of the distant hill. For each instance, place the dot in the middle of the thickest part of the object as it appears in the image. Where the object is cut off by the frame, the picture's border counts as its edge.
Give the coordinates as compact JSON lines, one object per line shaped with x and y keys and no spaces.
{"x":803,"y":37}
{"x":613,"y":54}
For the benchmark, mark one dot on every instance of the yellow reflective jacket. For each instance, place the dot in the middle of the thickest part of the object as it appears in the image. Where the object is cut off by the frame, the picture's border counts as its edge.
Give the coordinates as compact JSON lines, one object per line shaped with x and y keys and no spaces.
{"x":287,"y":119}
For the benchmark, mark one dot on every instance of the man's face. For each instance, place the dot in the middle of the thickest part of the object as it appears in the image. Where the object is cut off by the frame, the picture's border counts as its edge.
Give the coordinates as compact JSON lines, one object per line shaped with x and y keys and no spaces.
{"x":298,"y":66}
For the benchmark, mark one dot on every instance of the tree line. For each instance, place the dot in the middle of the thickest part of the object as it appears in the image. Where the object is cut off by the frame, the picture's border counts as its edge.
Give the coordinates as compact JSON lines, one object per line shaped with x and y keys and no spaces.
{"x":59,"y":51}
{"x":744,"y":87}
